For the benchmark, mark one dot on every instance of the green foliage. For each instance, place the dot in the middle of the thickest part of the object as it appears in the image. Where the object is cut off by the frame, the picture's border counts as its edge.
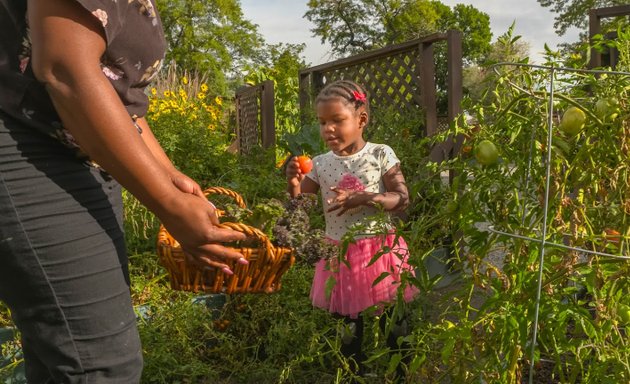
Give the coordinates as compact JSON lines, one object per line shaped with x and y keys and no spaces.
{"x":211,"y":37}
{"x":283,"y":70}
{"x":235,"y":339}
{"x":580,"y":334}
{"x":475,"y":27}
{"x":307,"y":141}
{"x":508,"y":48}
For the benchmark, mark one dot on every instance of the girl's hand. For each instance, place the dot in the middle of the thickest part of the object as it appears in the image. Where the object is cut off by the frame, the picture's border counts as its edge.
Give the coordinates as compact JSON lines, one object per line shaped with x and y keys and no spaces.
{"x":193,"y":222}
{"x":294,"y":177}
{"x":346,"y":200}
{"x":293,"y":172}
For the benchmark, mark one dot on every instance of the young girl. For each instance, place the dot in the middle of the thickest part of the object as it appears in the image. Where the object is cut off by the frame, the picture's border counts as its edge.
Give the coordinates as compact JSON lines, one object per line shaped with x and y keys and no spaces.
{"x":357,"y":180}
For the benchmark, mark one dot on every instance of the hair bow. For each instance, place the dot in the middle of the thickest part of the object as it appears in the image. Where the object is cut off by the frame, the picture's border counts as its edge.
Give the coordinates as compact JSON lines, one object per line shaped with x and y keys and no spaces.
{"x":358,"y":96}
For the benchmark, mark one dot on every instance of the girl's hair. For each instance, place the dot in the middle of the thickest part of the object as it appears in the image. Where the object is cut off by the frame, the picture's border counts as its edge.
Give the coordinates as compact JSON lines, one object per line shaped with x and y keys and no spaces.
{"x":347,"y":90}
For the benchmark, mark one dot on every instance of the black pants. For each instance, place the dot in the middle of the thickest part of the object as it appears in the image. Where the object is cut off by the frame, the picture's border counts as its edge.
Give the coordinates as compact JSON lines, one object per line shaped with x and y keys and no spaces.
{"x":63,"y":266}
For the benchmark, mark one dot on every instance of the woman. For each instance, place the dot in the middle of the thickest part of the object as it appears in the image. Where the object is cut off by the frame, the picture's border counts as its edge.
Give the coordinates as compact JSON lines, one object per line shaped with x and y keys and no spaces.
{"x":72,"y":76}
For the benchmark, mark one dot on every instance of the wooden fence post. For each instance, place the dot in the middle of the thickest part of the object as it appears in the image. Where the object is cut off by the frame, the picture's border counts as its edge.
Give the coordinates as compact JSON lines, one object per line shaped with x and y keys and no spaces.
{"x":594,"y":28}
{"x":267,"y":114}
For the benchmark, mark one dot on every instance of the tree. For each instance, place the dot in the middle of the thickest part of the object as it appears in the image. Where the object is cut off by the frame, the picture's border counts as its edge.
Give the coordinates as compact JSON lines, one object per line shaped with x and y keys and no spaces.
{"x":508,"y":48}
{"x":210,"y":36}
{"x":475,"y":26}
{"x":574,"y":13}
{"x":353,"y":26}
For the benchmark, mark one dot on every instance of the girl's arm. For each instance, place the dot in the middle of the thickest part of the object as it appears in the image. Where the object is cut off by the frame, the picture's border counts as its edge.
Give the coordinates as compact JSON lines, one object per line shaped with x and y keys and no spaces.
{"x":67,"y":44}
{"x":297,"y":182}
{"x":396,"y":197}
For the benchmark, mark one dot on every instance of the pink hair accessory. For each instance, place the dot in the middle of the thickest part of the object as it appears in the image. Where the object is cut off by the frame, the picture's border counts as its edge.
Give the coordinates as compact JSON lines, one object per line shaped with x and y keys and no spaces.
{"x":358,"y":96}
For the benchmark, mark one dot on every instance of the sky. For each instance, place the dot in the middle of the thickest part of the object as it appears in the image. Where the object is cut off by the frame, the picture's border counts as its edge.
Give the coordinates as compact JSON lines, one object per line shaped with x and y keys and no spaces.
{"x":282,"y":21}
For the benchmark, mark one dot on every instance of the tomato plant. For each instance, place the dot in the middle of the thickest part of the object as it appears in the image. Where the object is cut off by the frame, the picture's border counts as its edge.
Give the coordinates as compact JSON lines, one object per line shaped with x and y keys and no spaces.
{"x":577,"y":168}
{"x":624,"y":313}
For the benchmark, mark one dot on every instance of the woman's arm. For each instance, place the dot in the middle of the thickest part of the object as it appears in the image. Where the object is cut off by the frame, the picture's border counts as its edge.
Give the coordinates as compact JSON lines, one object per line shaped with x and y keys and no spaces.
{"x":67,"y":44}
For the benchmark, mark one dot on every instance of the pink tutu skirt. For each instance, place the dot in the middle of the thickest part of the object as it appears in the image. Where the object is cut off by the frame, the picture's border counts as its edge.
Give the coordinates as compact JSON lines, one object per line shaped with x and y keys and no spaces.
{"x":353,"y":288}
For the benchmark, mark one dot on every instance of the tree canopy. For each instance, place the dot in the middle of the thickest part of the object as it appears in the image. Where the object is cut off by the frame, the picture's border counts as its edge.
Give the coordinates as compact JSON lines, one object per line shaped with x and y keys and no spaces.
{"x":574,"y":13}
{"x":210,"y":36}
{"x":353,"y":26}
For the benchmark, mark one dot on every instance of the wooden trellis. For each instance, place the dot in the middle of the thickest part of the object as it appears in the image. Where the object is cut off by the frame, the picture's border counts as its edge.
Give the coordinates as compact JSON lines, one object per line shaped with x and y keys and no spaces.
{"x":400,"y":77}
{"x":595,"y":16}
{"x":255,"y":117}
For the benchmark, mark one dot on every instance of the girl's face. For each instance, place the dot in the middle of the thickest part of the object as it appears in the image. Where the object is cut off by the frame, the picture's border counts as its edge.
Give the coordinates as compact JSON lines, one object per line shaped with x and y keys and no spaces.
{"x":341,"y":126}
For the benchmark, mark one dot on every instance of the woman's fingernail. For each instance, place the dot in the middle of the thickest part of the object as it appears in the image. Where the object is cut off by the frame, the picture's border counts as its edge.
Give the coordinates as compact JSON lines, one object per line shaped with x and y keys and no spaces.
{"x":213,"y":206}
{"x":243,"y":261}
{"x":227,"y":271}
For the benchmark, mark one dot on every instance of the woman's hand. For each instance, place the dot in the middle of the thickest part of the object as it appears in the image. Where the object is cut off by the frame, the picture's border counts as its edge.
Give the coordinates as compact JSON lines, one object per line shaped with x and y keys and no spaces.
{"x":186,"y":184}
{"x":208,"y":255}
{"x":193,"y":222}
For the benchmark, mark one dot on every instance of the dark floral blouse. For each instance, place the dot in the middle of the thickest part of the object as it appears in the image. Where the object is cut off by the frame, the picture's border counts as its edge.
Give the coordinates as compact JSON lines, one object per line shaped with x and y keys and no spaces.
{"x":133,"y":57}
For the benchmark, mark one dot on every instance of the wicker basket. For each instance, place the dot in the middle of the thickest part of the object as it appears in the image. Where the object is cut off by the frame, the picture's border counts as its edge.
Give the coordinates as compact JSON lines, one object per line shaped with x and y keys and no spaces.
{"x":267,"y":263}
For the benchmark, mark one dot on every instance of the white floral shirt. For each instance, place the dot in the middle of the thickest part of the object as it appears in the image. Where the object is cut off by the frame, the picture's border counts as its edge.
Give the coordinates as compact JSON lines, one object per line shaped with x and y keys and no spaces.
{"x":362,"y":171}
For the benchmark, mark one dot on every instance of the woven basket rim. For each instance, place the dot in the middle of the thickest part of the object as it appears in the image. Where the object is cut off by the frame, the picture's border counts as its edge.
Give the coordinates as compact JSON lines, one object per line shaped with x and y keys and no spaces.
{"x":267,"y":261}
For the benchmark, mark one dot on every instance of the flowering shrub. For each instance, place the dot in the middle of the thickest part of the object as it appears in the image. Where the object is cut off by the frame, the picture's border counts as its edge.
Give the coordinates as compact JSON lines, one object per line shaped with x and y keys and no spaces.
{"x":191,"y":125}
{"x":191,"y":108}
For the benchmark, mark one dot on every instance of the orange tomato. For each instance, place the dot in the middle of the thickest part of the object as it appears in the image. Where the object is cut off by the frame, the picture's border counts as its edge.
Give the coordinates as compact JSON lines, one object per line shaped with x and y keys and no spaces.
{"x":306,"y":164}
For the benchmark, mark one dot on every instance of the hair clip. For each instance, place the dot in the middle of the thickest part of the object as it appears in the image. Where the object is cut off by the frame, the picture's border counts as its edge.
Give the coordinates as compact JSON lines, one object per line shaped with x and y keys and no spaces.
{"x":358,"y":96}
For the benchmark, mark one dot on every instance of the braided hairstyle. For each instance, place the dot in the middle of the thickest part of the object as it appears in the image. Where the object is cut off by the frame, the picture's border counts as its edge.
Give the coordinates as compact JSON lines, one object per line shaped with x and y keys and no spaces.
{"x":348,"y":91}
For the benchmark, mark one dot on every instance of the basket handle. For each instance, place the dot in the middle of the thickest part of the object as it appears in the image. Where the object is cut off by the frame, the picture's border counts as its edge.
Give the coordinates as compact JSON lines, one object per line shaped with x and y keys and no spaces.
{"x":238,"y":199}
{"x":228,"y":192}
{"x":244,"y":228}
{"x":253,"y":232}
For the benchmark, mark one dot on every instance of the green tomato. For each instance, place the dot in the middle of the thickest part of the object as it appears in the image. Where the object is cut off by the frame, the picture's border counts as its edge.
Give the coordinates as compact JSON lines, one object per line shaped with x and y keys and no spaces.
{"x":486,"y":152}
{"x":607,"y":108}
{"x":623,"y":311}
{"x":602,"y":106}
{"x":573,"y":121}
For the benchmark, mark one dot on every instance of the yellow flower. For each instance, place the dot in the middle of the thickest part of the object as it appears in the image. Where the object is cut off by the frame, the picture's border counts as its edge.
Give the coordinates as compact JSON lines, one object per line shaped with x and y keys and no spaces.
{"x":218,"y":100}
{"x":153,"y":91}
{"x":201,"y":95}
{"x":167,"y":93}
{"x":184,"y":80}
{"x":204,"y":87}
{"x":182,"y":94}
{"x":211,"y":127}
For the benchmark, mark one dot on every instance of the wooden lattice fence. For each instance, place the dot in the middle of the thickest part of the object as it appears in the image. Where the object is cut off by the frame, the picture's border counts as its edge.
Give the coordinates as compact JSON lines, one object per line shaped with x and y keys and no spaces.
{"x":399,"y":77}
{"x":609,"y":58}
{"x":255,"y":117}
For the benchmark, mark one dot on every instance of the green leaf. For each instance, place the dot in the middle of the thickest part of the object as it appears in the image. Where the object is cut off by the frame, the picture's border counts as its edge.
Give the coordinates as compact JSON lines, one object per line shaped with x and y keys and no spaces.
{"x":380,"y":278}
{"x":394,"y":361}
{"x":330,"y":285}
